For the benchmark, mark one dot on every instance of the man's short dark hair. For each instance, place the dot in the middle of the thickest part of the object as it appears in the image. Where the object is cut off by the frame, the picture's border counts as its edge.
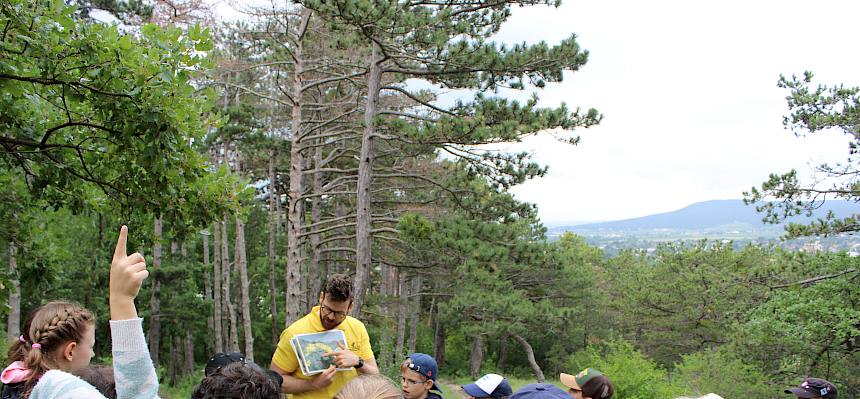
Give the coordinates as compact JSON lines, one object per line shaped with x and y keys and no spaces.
{"x":237,"y":381}
{"x":338,"y":287}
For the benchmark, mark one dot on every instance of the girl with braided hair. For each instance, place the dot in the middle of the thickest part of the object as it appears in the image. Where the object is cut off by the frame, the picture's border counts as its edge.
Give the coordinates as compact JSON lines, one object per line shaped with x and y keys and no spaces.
{"x":58,"y":340}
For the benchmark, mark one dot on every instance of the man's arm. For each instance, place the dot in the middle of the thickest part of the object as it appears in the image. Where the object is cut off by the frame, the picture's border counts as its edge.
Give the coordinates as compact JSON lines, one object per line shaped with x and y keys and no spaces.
{"x":370,"y":367}
{"x":293,"y":384}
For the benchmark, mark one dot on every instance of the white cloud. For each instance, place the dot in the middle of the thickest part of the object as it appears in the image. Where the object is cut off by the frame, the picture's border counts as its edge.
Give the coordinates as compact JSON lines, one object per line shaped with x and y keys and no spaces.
{"x":688,"y":90}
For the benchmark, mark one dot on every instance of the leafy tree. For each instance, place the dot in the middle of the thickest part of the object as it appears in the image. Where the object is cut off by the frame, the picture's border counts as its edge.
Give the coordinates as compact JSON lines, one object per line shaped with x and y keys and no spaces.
{"x":723,"y":371}
{"x":84,"y":103}
{"x":815,"y":110}
{"x":633,"y":375}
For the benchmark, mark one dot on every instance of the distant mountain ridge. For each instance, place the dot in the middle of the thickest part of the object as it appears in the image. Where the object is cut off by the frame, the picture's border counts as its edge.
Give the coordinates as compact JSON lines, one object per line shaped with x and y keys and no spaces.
{"x":708,"y":214}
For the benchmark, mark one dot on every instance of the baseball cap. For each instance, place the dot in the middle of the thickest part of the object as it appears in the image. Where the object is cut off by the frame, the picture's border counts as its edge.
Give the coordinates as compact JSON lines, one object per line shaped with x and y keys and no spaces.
{"x":222,"y":359}
{"x":813,"y":388}
{"x":425,"y":365}
{"x":489,"y":386}
{"x":591,"y":382}
{"x":540,"y":391}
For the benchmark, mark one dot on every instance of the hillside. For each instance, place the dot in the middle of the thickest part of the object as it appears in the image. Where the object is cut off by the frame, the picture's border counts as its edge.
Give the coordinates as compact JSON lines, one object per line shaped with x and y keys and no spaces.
{"x":706,"y":215}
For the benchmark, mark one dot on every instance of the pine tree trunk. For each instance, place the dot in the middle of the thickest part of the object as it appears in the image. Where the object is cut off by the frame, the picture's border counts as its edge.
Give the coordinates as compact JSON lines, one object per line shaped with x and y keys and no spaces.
{"x":363,"y":222}
{"x":439,"y":343}
{"x":242,"y":262}
{"x":207,"y":291}
{"x":189,"y":353}
{"x":476,"y":357}
{"x":503,"y":352}
{"x":173,"y":366}
{"x":227,"y":270}
{"x":313,"y":278}
{"x":155,"y":300}
{"x":402,"y":307}
{"x":13,"y":323}
{"x":218,"y":322}
{"x":273,"y":225}
{"x":295,"y":208}
{"x":530,"y":354}
{"x":415,"y":294}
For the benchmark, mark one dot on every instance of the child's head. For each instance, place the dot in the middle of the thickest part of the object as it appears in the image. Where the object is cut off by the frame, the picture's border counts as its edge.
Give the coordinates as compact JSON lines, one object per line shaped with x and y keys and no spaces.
{"x":101,"y":377}
{"x":418,"y":376}
{"x":57,"y":335}
{"x":237,"y":380}
{"x":369,"y":387}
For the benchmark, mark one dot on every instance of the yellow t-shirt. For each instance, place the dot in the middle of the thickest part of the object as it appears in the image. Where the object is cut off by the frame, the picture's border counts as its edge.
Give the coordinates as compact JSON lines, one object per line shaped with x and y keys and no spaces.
{"x":285,"y":357}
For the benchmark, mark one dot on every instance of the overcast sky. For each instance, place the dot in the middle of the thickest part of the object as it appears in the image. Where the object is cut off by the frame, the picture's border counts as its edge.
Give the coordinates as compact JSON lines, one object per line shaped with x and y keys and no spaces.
{"x":688,"y":91}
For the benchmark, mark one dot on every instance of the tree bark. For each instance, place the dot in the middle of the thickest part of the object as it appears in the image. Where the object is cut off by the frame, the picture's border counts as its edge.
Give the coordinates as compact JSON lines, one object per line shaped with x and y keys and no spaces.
{"x":414,"y":312}
{"x":217,"y":291}
{"x":503,"y":352}
{"x":272,"y":258}
{"x":363,"y":201}
{"x":226,"y":270}
{"x":189,"y":353}
{"x":242,"y":262}
{"x":207,"y":291}
{"x":295,"y":208}
{"x":402,"y":307}
{"x":476,"y":357}
{"x":439,"y":343}
{"x":313,"y":278}
{"x":530,"y":354}
{"x":13,"y":323}
{"x":155,"y":300}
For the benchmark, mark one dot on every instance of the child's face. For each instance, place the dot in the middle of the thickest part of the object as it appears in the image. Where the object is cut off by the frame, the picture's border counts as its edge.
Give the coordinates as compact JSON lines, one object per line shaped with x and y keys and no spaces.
{"x":82,"y":352}
{"x":414,"y":385}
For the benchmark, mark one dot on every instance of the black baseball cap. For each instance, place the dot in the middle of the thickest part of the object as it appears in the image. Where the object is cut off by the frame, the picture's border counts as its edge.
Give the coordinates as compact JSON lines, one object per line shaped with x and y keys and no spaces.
{"x":814,"y":388}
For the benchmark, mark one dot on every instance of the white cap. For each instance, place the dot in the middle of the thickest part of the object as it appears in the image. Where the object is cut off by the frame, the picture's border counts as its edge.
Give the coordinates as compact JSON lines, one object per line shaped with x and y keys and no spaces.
{"x":489,"y":382}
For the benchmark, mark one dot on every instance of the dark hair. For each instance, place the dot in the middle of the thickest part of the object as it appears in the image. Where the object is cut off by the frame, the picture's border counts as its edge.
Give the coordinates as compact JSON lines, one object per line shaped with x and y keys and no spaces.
{"x":338,"y":287}
{"x":598,"y":387}
{"x":101,"y":377}
{"x":237,"y":381}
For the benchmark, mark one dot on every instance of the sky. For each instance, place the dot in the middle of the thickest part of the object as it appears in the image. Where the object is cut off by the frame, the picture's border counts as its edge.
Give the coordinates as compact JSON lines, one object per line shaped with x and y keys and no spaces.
{"x":689,"y":97}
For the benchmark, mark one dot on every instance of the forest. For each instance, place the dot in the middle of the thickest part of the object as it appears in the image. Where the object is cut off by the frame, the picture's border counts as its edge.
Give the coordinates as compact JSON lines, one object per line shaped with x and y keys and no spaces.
{"x":253,"y":158}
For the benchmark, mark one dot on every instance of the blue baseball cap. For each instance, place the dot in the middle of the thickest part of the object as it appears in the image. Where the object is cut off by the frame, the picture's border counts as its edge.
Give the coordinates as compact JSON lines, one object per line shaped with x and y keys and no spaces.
{"x":425,"y":365}
{"x":540,"y":391}
{"x":489,"y":386}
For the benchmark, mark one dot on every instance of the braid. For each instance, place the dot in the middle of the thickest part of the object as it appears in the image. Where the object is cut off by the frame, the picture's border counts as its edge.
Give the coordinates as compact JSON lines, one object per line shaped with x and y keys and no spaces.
{"x":51,"y":326}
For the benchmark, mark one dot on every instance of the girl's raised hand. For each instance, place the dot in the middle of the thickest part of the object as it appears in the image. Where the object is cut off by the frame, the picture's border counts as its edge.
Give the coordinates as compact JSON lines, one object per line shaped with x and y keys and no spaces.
{"x":127,"y":273}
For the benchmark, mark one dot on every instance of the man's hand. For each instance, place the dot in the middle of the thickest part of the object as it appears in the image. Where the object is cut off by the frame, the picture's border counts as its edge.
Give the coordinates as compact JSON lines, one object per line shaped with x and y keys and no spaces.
{"x":324,"y":379}
{"x":127,"y":273}
{"x":343,"y":358}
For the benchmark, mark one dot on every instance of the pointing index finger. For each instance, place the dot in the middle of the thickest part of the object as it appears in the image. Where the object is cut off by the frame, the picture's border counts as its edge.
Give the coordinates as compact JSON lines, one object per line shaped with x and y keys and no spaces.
{"x":119,"y":252}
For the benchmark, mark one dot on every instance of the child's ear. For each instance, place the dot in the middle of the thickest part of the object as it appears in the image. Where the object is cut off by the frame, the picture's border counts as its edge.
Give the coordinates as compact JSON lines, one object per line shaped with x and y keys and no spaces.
{"x":68,"y":350}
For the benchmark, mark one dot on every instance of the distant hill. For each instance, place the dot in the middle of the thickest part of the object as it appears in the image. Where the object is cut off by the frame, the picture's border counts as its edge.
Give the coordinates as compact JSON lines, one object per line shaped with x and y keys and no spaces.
{"x":706,"y":215}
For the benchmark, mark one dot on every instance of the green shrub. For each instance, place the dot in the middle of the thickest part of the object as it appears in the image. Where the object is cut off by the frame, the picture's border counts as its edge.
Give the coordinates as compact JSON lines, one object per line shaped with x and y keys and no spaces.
{"x":633,"y":375}
{"x":722,"y":372}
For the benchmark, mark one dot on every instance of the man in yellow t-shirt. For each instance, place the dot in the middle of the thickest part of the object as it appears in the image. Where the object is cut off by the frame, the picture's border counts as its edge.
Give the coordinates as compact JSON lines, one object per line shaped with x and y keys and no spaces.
{"x":331,"y":313}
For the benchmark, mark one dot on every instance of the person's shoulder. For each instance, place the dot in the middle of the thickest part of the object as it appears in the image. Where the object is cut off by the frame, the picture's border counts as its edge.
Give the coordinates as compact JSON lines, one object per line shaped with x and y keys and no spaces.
{"x":60,"y":384}
{"x":352,"y":322}
{"x":301,"y":326}
{"x":433,"y":395}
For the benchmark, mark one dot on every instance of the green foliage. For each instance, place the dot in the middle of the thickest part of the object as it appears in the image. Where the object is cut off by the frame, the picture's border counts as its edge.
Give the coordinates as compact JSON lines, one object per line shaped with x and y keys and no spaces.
{"x":722,"y":371}
{"x":813,"y":110}
{"x":633,"y":375}
{"x":88,"y":106}
{"x":684,"y":299}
